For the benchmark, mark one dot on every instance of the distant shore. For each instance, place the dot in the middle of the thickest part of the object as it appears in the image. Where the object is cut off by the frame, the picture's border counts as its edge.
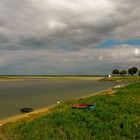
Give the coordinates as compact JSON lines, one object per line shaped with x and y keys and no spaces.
{"x":15,"y":78}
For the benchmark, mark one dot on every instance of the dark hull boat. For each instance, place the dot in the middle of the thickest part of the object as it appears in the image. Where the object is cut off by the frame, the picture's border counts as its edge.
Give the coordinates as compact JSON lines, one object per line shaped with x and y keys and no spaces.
{"x":26,"y":110}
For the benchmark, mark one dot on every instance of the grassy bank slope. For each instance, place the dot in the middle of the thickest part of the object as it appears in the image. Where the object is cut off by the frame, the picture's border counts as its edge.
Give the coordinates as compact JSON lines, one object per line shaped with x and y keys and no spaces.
{"x":117,"y":116}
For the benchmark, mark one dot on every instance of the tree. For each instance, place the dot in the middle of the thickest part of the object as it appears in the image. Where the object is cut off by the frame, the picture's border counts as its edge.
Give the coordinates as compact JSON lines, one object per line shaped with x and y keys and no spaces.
{"x":132,"y":70}
{"x":123,"y":72}
{"x":139,"y":73}
{"x":115,"y":71}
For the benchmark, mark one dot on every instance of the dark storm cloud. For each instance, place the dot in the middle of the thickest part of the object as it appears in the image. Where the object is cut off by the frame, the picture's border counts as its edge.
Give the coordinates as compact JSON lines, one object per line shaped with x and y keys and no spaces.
{"x":75,"y":23}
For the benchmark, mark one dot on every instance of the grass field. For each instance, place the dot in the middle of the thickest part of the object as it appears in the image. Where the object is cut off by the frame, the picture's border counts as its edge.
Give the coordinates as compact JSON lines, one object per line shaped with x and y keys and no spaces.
{"x":116,"y":117}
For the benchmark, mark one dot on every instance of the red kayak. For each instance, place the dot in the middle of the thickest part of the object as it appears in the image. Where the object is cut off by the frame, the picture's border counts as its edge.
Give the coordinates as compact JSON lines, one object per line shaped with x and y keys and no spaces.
{"x":79,"y":105}
{"x":83,"y":106}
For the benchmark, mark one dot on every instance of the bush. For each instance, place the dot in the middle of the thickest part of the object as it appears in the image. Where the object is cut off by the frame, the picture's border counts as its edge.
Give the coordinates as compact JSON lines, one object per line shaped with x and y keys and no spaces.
{"x":115,"y":71}
{"x":123,"y":72}
{"x":132,"y":70}
{"x":139,"y":73}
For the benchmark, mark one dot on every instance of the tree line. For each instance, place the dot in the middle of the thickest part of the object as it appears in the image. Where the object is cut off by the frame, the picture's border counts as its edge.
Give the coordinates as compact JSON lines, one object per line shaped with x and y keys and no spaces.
{"x":130,"y":71}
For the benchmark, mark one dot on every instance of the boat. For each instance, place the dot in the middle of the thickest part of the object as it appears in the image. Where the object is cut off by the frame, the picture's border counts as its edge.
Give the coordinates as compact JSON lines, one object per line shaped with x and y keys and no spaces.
{"x":84,"y":106}
{"x":26,"y":110}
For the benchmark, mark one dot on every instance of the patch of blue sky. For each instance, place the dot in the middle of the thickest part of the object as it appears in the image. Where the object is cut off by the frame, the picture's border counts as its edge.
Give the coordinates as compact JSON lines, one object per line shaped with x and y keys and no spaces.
{"x":66,"y":47}
{"x":114,"y":42}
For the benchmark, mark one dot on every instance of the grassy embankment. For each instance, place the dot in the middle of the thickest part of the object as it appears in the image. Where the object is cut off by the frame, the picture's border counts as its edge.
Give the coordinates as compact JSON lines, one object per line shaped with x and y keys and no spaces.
{"x":122,"y":78}
{"x":117,"y":116}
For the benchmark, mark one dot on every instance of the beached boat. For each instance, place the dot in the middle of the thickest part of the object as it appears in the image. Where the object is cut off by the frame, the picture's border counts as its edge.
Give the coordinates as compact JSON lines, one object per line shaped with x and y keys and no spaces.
{"x":26,"y":110}
{"x":84,"y":106}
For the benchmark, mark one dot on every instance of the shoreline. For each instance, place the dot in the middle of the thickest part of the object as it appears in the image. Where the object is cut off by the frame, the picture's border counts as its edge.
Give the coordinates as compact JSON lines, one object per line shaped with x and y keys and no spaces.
{"x":45,"y":110}
{"x":23,"y":116}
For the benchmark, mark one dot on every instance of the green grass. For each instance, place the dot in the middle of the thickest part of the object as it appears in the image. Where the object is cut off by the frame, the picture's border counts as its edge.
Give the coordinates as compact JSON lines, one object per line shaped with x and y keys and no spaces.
{"x":116,"y":117}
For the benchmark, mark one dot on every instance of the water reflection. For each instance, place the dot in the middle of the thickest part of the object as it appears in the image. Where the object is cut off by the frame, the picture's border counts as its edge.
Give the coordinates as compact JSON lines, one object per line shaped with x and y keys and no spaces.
{"x":39,"y":93}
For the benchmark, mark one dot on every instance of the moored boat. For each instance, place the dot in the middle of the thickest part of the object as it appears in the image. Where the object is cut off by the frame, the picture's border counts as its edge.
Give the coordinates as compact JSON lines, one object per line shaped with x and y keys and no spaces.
{"x":26,"y":110}
{"x":84,"y":106}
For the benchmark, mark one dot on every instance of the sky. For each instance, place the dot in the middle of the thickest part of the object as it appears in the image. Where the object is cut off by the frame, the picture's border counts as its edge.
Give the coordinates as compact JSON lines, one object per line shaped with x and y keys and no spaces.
{"x":68,"y":37}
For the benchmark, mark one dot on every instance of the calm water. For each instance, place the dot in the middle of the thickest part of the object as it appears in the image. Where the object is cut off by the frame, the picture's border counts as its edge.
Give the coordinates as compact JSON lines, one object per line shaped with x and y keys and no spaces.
{"x":39,"y":93}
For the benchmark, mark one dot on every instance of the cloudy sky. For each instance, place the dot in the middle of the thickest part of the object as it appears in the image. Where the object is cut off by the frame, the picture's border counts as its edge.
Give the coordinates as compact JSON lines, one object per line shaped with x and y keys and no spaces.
{"x":68,"y":36}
